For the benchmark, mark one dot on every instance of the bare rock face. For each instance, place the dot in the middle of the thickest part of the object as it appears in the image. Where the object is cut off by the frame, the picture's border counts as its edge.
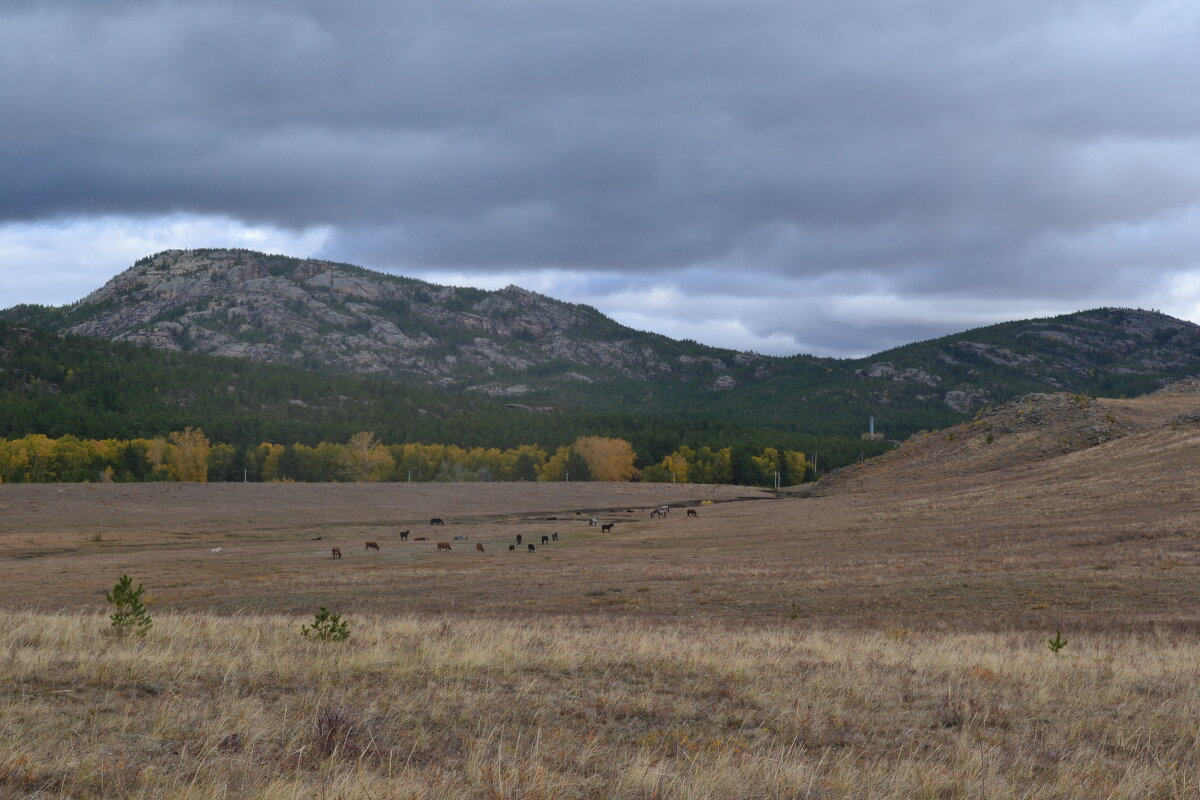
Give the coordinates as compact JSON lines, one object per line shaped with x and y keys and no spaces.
{"x":964,"y":402}
{"x":309,"y":312}
{"x":889,"y":372}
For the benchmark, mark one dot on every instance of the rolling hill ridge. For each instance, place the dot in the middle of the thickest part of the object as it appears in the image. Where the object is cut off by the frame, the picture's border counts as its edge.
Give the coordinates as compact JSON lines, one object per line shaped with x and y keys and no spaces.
{"x":537,"y":351}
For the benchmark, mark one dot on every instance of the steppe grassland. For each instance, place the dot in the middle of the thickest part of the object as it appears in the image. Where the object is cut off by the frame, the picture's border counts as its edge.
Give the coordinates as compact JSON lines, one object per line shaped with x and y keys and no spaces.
{"x":568,"y":707}
{"x":661,"y":661}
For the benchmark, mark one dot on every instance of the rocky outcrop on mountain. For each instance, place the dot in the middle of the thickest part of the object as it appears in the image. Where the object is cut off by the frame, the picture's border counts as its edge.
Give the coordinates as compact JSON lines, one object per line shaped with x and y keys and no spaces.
{"x":1109,"y":349}
{"x":322,"y":314}
{"x":519,"y":344}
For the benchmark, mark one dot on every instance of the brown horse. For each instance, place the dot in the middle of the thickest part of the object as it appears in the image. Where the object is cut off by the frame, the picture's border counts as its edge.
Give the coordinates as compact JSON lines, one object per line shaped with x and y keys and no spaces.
{"x":337,"y":553}
{"x":692,"y":512}
{"x":443,"y":546}
{"x":372,"y":546}
{"x":479,"y":547}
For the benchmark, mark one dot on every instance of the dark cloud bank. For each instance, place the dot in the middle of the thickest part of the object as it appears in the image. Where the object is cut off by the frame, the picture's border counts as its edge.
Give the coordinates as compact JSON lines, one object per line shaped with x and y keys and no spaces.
{"x":841,"y":176}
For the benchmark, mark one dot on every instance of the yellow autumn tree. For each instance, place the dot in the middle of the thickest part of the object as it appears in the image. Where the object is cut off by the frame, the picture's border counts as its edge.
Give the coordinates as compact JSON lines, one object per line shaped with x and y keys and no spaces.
{"x":766,"y":464}
{"x":13,"y":461}
{"x":157,"y":454}
{"x":607,"y":459}
{"x":267,"y":456}
{"x":679,"y":463}
{"x":39,"y":451}
{"x":567,"y":464}
{"x":188,"y":455}
{"x":794,"y":464}
{"x":366,"y":459}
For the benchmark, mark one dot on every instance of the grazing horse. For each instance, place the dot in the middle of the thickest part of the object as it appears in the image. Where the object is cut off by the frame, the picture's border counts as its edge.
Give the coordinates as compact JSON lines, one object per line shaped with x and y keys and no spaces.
{"x":479,"y":547}
{"x":655,"y":514}
{"x":518,"y":538}
{"x":404,"y":536}
{"x":337,"y":553}
{"x":437,"y":521}
{"x":372,"y":546}
{"x":554,"y":536}
{"x":593,"y":521}
{"x":664,"y":510}
{"x":443,"y":546}
{"x":420,"y":539}
{"x":216,"y":549}
{"x":512,"y":547}
{"x":531,"y":547}
{"x":460,"y":538}
{"x":545,"y":540}
{"x":607,"y":527}
{"x":692,"y":512}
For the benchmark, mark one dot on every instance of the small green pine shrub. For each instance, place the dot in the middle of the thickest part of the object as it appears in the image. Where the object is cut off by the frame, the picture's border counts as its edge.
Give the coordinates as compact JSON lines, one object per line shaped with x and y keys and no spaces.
{"x":130,"y":616}
{"x":327,"y":627}
{"x":1057,"y":643}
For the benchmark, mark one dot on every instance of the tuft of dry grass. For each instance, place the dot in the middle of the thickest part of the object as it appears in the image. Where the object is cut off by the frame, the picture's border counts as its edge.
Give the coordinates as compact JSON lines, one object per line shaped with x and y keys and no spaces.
{"x":584,"y":707}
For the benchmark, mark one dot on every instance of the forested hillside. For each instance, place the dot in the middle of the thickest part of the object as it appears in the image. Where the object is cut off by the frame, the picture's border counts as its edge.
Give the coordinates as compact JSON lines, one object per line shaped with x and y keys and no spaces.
{"x":1108,"y":352}
{"x":91,"y":388}
{"x":525,"y":347}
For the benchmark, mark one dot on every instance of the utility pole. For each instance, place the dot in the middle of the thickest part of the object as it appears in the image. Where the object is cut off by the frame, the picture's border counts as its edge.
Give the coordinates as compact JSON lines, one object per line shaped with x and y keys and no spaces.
{"x":245,"y":475}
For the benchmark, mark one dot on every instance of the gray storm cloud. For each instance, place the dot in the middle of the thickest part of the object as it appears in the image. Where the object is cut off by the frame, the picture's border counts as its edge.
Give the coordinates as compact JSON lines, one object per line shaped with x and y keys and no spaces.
{"x":933,"y":156}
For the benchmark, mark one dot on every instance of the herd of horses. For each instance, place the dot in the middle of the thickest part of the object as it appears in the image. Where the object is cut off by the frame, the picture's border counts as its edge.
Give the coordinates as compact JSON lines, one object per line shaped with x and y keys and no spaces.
{"x":607,"y":527}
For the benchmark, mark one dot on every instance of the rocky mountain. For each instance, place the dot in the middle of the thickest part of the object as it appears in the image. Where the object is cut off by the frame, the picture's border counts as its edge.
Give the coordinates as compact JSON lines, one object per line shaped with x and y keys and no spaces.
{"x":539,"y":352}
{"x":1109,"y":352}
{"x":311,"y":313}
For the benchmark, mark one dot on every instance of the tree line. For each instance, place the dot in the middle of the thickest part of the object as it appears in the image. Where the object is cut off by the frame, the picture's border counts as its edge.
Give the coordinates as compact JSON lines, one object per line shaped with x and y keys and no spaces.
{"x":190,"y":456}
{"x":98,"y":390}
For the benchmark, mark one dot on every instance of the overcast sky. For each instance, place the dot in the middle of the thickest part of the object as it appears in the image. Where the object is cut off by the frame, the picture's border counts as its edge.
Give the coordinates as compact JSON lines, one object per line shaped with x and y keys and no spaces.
{"x":829,"y":177}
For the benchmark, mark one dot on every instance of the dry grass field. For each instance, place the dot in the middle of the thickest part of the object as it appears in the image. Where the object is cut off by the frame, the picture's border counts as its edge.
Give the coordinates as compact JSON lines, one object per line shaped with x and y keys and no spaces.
{"x":880,"y":635}
{"x":568,"y":707}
